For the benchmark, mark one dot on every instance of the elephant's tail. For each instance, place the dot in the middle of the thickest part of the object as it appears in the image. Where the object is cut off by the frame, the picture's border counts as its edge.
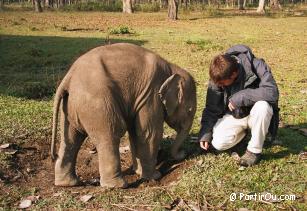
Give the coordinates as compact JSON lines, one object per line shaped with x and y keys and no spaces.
{"x":59,"y":95}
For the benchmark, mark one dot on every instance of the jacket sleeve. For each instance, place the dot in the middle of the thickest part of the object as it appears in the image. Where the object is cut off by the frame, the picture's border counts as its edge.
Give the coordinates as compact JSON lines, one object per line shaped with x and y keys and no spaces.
{"x":213,"y":111}
{"x":267,"y":90}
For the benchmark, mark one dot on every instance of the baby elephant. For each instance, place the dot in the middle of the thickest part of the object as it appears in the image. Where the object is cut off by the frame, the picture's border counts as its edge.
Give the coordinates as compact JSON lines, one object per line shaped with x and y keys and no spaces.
{"x":113,"y":89}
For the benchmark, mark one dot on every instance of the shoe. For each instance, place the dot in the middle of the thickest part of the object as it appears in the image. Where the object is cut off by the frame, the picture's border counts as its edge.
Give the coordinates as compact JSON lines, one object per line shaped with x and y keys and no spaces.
{"x":249,"y":159}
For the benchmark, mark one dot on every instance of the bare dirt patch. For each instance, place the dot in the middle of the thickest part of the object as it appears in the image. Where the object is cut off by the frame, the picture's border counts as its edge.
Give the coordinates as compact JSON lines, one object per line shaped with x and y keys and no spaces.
{"x":31,"y":169}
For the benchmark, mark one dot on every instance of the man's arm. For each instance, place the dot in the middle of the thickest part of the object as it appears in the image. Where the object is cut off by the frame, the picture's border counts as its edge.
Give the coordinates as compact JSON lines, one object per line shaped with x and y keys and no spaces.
{"x":213,"y":111}
{"x":267,"y":90}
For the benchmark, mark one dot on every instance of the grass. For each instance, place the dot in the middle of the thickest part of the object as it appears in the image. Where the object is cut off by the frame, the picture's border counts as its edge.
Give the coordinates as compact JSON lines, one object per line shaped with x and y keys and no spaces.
{"x":35,"y":52}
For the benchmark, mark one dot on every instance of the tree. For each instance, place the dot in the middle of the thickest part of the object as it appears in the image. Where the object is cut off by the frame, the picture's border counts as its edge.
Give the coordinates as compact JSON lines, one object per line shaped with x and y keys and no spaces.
{"x":1,"y":4}
{"x":173,"y":9}
{"x":261,"y":7}
{"x":240,"y":4}
{"x":275,"y":5}
{"x":38,"y":6}
{"x":127,"y":6}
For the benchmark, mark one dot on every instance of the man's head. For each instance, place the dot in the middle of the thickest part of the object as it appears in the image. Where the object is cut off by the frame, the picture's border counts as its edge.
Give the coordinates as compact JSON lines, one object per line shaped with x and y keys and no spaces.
{"x":223,"y":70}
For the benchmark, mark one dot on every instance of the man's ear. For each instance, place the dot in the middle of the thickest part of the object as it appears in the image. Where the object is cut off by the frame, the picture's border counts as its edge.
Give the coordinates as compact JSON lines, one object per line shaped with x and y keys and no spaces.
{"x":234,"y":74}
{"x":171,"y":93}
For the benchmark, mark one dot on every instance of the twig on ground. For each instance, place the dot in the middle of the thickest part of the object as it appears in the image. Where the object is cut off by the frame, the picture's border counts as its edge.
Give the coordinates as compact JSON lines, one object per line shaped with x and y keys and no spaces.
{"x":207,"y":203}
{"x":222,"y":204}
{"x":270,"y":203}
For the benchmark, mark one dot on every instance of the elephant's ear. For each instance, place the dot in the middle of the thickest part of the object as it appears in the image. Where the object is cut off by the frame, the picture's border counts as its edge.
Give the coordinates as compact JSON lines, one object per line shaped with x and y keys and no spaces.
{"x":171,"y":93}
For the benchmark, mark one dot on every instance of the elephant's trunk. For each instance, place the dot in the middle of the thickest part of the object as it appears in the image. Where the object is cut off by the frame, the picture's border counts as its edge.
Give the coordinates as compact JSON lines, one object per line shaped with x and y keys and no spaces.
{"x":176,"y":153}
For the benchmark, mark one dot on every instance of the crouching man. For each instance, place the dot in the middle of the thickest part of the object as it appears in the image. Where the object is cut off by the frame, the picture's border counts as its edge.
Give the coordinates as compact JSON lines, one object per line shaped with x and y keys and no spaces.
{"x":242,"y":94}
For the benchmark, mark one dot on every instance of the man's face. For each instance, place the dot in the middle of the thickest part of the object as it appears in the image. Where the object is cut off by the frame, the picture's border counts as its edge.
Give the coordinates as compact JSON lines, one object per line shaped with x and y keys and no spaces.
{"x":228,"y":82}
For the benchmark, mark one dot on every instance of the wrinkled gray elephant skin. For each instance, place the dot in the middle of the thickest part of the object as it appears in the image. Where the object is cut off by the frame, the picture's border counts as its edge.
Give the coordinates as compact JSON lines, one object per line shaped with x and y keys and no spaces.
{"x":113,"y":89}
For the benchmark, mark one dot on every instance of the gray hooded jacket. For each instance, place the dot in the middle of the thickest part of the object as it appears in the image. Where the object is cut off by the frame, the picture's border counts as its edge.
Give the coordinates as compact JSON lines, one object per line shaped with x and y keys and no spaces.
{"x":254,"y":83}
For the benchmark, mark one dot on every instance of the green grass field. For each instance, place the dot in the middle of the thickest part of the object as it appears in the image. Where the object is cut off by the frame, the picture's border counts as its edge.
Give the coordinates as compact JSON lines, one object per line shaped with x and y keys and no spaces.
{"x":37,"y":49}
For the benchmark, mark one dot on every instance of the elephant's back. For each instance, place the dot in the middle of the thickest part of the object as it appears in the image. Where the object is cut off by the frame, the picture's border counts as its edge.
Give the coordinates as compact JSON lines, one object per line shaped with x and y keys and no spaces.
{"x":125,"y":70}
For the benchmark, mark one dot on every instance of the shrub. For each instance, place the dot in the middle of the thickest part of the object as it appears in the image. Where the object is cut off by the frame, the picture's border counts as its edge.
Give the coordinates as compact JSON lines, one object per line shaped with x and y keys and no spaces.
{"x":121,"y":30}
{"x":95,"y":6}
{"x":202,"y":44}
{"x":154,"y":7}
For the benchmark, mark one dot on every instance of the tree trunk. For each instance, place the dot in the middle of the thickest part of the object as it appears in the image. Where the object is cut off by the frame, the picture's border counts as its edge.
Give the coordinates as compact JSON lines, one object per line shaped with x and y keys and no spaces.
{"x":261,"y":7}
{"x":240,"y":4}
{"x":1,"y":4}
{"x":127,"y":6}
{"x":38,"y":6}
{"x":275,"y":5}
{"x":173,"y":9}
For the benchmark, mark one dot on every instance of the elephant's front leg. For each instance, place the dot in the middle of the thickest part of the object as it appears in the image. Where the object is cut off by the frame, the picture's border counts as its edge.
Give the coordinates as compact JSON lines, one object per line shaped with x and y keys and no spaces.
{"x":145,"y":145}
{"x":109,"y":161}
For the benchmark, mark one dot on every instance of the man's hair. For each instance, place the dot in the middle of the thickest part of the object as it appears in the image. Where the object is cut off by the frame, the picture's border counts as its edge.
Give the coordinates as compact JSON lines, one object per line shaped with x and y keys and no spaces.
{"x":222,"y":67}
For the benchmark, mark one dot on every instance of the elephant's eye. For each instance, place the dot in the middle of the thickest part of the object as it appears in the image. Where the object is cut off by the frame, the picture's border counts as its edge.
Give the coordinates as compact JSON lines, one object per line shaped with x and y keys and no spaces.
{"x":190,"y":109}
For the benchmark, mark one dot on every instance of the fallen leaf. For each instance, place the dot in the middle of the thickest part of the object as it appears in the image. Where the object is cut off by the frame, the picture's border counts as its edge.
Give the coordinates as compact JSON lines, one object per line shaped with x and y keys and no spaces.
{"x":304,"y":91}
{"x":86,"y":198}
{"x":57,"y":194}
{"x":242,"y":168}
{"x":75,"y":192}
{"x":243,"y":209}
{"x":33,"y":198}
{"x":4,"y":146}
{"x":25,"y":204}
{"x":11,"y":152}
{"x":200,"y":162}
{"x":303,"y":155}
{"x":194,"y":206}
{"x":16,"y":177}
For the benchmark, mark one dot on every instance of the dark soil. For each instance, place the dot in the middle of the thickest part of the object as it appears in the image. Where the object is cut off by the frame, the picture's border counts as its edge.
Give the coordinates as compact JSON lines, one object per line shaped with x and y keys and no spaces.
{"x":31,"y":168}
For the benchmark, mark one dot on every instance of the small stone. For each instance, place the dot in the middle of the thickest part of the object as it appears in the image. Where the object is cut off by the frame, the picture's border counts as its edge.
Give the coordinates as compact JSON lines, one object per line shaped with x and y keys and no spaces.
{"x":25,"y":204}
{"x":4,"y":146}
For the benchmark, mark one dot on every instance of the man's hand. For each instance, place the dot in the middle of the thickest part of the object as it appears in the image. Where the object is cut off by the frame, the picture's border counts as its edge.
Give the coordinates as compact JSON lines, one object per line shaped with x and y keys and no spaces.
{"x":204,"y":145}
{"x":231,"y":106}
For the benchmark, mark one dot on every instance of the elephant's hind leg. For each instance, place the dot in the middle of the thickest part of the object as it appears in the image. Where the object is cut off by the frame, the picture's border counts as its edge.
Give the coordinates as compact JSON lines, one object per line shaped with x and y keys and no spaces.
{"x":71,"y":141}
{"x":109,"y":160}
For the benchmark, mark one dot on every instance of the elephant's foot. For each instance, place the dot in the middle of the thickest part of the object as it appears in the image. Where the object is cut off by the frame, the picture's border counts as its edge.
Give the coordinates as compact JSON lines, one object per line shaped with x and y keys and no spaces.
{"x":66,"y":180}
{"x":155,"y":176}
{"x":118,"y":182}
{"x":179,"y":155}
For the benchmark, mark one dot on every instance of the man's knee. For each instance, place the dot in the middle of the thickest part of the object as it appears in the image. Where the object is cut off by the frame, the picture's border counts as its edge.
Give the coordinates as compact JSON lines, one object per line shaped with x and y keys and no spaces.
{"x":262,"y":108}
{"x":222,"y":143}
